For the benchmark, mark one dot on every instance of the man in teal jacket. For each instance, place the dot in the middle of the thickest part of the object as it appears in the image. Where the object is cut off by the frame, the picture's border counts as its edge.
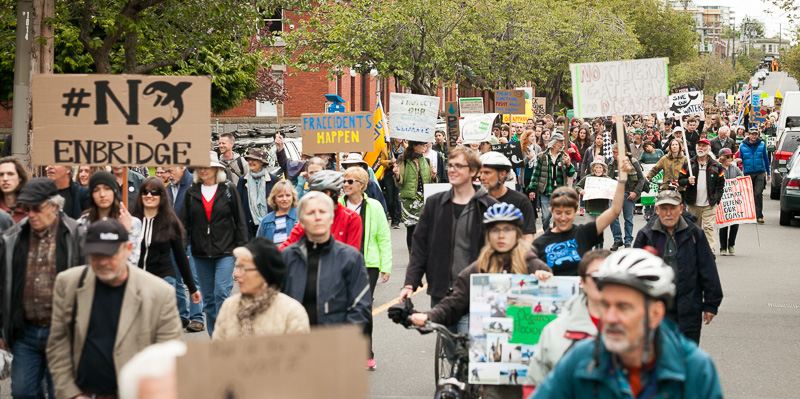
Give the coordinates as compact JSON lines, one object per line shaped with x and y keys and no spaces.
{"x":636,"y":355}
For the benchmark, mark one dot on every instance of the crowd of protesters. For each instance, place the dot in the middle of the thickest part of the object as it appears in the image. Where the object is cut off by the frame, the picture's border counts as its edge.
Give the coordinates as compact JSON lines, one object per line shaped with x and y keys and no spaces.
{"x":310,"y":248}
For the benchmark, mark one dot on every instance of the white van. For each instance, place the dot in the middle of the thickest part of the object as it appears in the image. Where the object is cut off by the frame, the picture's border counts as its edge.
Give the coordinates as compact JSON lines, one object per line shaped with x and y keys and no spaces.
{"x":754,"y":82}
{"x":790,"y":112}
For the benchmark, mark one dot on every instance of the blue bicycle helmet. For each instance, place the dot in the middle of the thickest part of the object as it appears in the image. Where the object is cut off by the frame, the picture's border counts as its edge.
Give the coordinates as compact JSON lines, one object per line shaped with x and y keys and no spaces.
{"x":503,"y":212}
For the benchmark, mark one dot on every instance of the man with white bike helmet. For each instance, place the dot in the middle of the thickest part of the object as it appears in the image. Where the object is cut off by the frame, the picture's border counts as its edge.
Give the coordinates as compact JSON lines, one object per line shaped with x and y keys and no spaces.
{"x":346,"y":226}
{"x":637,"y":355}
{"x":494,"y":173}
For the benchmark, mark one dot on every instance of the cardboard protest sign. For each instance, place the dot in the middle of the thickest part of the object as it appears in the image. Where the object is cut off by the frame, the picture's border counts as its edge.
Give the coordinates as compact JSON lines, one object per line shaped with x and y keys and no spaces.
{"x":686,"y":103}
{"x":413,"y":116}
{"x":620,"y":87}
{"x":339,"y":132}
{"x":507,"y":313}
{"x":539,"y":106}
{"x":737,"y":205}
{"x":470,"y":105}
{"x":510,"y":102}
{"x":121,"y":120}
{"x":277,"y":366}
{"x":599,"y":188}
{"x":477,"y":128}
{"x":512,"y":151}
{"x":451,"y":118}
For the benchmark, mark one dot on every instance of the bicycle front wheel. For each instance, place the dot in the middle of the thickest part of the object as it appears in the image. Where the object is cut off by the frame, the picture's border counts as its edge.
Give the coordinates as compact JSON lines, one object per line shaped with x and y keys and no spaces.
{"x":442,"y":366}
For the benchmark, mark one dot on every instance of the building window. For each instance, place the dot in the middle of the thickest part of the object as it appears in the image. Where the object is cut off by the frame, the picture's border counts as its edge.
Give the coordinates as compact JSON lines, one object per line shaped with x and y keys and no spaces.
{"x":275,"y":22}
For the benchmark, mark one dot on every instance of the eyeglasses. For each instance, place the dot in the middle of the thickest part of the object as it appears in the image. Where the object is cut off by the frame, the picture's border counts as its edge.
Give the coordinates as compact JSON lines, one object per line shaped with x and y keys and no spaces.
{"x":32,"y":209}
{"x":457,"y":166}
{"x":563,"y":193}
{"x":242,"y":269}
{"x":504,"y":230}
{"x":351,"y":181}
{"x":154,"y":193}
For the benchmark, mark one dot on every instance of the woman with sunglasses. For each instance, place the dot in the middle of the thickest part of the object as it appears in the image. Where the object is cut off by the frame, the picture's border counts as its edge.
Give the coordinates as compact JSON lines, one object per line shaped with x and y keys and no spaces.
{"x":105,"y":201}
{"x":162,"y":231}
{"x":564,"y":245}
{"x":376,"y":241}
{"x":505,"y":251}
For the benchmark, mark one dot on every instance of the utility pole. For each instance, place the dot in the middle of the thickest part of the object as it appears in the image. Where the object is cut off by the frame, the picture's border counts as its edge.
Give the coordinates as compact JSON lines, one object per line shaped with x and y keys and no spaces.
{"x":34,"y":54}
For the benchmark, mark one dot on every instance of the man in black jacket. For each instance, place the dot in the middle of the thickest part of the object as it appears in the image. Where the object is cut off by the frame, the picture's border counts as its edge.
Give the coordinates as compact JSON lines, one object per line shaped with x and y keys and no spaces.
{"x":704,"y":189}
{"x":674,"y":237}
{"x":450,"y":232}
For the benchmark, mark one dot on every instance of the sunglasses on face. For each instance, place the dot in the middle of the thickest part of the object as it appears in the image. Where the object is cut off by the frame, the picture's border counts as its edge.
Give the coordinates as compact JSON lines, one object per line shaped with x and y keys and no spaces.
{"x":351,"y":181}
{"x":154,"y":193}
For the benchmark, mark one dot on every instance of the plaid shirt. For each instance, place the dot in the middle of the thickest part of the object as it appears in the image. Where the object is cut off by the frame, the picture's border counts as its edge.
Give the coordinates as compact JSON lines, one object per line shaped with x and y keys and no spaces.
{"x":40,"y":275}
{"x":555,"y":173}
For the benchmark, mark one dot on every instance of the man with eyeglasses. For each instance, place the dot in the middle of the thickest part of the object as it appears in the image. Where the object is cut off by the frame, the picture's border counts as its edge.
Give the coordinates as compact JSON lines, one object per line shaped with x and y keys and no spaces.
{"x":753,"y":156}
{"x":33,"y":252}
{"x":450,"y":232}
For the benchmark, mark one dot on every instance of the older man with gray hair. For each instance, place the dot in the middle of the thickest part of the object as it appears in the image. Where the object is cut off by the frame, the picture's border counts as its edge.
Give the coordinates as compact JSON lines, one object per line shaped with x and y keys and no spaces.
{"x":723,"y":140}
{"x":33,"y":252}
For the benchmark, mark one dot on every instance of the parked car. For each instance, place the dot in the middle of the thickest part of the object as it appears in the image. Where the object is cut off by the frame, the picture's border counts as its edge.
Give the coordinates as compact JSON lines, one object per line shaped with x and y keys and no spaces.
{"x":781,"y":152}
{"x":790,"y":190}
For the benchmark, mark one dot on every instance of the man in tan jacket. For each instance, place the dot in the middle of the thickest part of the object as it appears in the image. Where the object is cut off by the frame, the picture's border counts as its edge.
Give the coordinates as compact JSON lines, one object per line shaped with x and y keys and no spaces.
{"x":105,"y":313}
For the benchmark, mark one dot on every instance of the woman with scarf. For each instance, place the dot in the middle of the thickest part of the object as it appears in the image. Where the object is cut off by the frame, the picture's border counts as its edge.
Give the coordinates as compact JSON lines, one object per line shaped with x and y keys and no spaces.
{"x":254,"y":188}
{"x":260,"y":309}
{"x":162,"y":235}
{"x":411,"y":172}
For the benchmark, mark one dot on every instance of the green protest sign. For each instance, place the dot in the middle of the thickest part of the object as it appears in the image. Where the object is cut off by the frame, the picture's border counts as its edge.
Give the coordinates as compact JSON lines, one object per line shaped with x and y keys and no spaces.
{"x":528,"y":326}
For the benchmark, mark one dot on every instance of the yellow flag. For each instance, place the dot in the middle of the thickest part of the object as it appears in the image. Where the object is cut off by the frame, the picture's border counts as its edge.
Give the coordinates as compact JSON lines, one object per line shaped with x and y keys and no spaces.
{"x":779,"y":94}
{"x":373,"y":158}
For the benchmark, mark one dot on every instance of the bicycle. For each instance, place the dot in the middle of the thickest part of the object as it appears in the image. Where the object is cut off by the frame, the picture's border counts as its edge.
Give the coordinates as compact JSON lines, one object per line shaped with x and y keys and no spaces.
{"x":452,"y":384}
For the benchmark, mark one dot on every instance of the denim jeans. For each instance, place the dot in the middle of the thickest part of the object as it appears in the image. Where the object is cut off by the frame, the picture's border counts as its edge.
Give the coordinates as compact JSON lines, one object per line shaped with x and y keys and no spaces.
{"x":216,"y":282}
{"x":627,"y":213}
{"x":545,"y":202}
{"x":29,"y":372}
{"x":187,"y":309}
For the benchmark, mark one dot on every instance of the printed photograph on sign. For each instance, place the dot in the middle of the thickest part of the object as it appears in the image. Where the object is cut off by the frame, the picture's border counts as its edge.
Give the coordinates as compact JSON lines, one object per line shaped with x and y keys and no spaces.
{"x":413,"y":117}
{"x":625,"y":87}
{"x":507,"y":315}
{"x":126,"y":120}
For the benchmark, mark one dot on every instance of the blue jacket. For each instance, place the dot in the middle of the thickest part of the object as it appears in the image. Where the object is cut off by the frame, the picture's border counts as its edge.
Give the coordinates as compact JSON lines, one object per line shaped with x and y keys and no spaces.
{"x":241,"y":187}
{"x":267,"y":227}
{"x":343,"y":294}
{"x":683,"y":371}
{"x":698,"y":286}
{"x":754,"y":157}
{"x":183,"y":185}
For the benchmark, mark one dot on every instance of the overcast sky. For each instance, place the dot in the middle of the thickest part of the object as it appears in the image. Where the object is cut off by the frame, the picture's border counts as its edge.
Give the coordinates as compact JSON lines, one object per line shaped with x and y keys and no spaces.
{"x":756,"y":9}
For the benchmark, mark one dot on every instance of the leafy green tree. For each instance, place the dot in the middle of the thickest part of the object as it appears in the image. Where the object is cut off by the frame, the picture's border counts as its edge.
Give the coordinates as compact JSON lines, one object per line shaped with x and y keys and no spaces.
{"x":708,"y":72}
{"x":661,"y":30}
{"x":752,"y":28}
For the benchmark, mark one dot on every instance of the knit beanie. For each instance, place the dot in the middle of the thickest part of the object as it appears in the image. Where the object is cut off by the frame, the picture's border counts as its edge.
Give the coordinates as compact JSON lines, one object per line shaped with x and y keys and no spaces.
{"x":555,"y":137}
{"x":268,"y":260}
{"x":103,"y":177}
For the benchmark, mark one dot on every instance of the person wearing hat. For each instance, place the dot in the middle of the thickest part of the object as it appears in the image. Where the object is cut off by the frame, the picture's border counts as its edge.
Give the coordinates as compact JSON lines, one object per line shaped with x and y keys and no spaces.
{"x":105,"y":201}
{"x":260,"y":309}
{"x":704,"y":189}
{"x":411,"y":173}
{"x":214,"y":220}
{"x":254,"y":188}
{"x":373,"y":189}
{"x":34,"y":251}
{"x":553,"y":169}
{"x":495,"y":169}
{"x":684,"y":247}
{"x":104,"y":314}
{"x":595,"y":207}
{"x":727,"y":234}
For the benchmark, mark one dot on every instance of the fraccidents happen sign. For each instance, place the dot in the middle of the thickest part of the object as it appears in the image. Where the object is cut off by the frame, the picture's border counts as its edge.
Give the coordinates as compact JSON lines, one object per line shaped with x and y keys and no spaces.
{"x":121,"y":120}
{"x":339,"y":132}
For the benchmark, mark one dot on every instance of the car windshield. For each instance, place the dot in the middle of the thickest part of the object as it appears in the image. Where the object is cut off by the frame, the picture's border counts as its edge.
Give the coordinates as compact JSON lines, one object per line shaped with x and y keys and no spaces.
{"x":791,"y":142}
{"x":794,"y":173}
{"x":793,"y":121}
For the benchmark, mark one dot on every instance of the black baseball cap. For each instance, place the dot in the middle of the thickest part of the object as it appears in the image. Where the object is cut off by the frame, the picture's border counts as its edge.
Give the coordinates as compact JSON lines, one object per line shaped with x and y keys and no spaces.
{"x":105,"y":236}
{"x":36,"y":191}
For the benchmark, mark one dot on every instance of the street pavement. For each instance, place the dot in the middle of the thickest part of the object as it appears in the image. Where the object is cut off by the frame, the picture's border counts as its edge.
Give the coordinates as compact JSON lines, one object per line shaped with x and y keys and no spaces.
{"x":778,"y":81}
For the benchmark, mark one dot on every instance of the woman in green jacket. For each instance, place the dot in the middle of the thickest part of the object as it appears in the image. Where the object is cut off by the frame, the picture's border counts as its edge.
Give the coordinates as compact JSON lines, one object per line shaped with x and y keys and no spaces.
{"x":411,"y":172}
{"x":376,"y":244}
